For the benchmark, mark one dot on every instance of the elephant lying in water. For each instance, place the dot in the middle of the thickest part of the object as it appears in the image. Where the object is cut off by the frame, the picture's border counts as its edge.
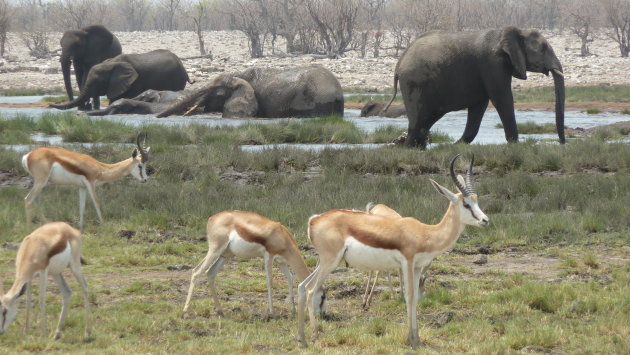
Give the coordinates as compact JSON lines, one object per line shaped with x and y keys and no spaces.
{"x":267,"y":92}
{"x":375,"y":108}
{"x":148,"y":102}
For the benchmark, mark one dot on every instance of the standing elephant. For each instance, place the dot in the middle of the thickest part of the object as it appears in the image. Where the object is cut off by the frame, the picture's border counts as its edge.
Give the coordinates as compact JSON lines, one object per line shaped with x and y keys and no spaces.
{"x":442,"y":72}
{"x":267,"y":92}
{"x":377,"y":108}
{"x":85,"y":48}
{"x":149,"y":102}
{"x":128,"y":75}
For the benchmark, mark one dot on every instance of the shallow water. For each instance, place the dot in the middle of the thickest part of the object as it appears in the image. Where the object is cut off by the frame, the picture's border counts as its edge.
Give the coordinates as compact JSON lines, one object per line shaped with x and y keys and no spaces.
{"x":451,"y":124}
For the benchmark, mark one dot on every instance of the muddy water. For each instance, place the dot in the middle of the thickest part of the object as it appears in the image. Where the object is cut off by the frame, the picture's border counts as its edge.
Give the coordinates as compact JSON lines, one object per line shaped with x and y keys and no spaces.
{"x":451,"y":124}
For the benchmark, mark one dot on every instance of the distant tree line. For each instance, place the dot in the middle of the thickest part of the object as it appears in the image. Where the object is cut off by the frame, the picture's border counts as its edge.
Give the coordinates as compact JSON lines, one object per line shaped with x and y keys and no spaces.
{"x":322,"y":27}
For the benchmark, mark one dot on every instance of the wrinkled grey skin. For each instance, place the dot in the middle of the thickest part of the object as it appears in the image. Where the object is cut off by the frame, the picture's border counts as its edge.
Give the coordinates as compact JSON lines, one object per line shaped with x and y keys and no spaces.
{"x":83,"y":49}
{"x":231,"y":96}
{"x":148,"y":102}
{"x":381,"y":109}
{"x":291,"y":92}
{"x":128,"y":75}
{"x":442,"y":72}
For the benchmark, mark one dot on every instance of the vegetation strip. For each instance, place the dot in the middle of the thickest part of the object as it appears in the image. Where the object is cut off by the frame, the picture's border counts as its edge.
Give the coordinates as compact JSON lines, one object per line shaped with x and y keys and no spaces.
{"x":556,"y":278}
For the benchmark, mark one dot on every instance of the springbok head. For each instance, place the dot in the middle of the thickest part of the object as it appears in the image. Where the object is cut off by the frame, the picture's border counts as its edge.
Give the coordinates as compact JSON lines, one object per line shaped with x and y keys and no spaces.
{"x":466,"y":199}
{"x":141,"y":156}
{"x":8,"y":308}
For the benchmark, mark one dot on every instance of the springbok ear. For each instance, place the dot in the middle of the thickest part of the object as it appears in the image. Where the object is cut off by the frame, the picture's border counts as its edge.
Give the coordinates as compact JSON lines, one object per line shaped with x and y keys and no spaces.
{"x":511,"y":42}
{"x":242,"y":102}
{"x":444,"y":191}
{"x":122,"y":75}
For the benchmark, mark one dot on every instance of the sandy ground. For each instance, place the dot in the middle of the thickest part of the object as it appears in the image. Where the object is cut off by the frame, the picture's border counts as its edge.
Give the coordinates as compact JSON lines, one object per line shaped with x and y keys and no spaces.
{"x":230,"y":53}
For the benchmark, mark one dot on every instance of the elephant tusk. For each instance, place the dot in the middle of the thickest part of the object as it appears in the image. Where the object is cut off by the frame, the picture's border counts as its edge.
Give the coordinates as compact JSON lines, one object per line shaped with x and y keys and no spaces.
{"x":191,"y":110}
{"x":558,"y":72}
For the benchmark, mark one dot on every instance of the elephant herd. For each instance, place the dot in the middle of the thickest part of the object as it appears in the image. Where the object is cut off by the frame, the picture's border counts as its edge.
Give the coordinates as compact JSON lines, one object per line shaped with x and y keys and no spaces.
{"x":438,"y":73}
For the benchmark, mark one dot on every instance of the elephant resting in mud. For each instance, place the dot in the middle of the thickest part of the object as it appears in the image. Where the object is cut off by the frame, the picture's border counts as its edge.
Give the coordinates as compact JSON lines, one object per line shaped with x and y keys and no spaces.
{"x":375,"y":108}
{"x":149,"y":102}
{"x":267,"y":92}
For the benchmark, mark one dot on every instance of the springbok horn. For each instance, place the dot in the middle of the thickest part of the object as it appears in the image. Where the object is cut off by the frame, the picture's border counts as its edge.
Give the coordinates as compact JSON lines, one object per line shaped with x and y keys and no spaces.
{"x":143,"y":152}
{"x":461,"y":188}
{"x":469,"y":185}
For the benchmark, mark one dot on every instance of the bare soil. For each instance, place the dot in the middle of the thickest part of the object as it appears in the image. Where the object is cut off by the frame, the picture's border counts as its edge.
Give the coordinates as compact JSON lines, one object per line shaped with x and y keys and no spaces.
{"x":230,"y":53}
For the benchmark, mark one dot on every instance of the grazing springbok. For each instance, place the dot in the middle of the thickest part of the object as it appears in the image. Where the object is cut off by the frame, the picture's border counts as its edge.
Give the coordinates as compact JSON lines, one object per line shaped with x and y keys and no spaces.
{"x":49,"y":250}
{"x":62,"y":167}
{"x":248,"y":235}
{"x":372,"y":242}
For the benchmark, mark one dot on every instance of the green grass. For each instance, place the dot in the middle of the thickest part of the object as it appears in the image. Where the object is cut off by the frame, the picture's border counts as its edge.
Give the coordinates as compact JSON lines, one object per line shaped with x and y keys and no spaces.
{"x":57,"y":98}
{"x":364,"y":98}
{"x":567,"y":202}
{"x":606,"y":93}
{"x":532,"y":127}
{"x":31,"y":91}
{"x":80,"y":128}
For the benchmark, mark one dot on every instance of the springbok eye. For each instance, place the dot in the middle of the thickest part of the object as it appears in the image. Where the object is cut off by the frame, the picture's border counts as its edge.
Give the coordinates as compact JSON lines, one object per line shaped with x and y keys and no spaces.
{"x":466,"y":205}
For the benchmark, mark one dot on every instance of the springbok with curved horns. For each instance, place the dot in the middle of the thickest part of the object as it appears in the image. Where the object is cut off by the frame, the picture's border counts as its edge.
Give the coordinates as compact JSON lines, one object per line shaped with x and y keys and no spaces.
{"x":49,"y":250}
{"x":372,"y":242}
{"x":62,"y":167}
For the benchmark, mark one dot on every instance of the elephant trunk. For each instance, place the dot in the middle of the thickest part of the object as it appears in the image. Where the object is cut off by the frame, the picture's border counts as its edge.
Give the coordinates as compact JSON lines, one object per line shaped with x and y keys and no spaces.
{"x":558,"y":80}
{"x":65,"y":69}
{"x":73,"y":103}
{"x":180,"y":105}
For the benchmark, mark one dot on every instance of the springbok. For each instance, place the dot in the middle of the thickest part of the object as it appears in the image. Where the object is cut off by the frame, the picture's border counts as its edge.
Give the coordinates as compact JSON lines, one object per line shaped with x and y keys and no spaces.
{"x":49,"y":250}
{"x":372,"y":242}
{"x":248,"y":235}
{"x":381,"y":210}
{"x":62,"y":167}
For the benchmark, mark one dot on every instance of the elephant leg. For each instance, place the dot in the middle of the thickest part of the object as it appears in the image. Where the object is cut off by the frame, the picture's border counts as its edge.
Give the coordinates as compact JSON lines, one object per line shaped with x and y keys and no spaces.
{"x":420,"y":130}
{"x":504,"y":104}
{"x":417,"y":132}
{"x":475,"y":114}
{"x":81,"y":74}
{"x":96,"y":102}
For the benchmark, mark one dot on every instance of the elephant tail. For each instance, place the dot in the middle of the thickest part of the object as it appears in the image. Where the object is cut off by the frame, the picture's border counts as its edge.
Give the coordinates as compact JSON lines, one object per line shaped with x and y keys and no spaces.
{"x":395,"y":91}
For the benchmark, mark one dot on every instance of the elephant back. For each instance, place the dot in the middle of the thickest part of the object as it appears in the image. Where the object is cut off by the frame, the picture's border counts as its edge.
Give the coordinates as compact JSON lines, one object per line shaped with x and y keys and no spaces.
{"x":299,"y":91}
{"x":160,"y":69}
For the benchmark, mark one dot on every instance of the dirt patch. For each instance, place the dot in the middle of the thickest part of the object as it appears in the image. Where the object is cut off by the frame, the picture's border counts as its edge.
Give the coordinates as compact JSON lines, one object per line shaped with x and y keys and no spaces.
{"x":8,"y":178}
{"x":153,"y":236}
{"x":540,"y":266}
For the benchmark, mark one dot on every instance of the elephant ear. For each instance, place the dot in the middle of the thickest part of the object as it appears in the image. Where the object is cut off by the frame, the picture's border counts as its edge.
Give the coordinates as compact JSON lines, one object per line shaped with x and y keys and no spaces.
{"x":512,"y":44}
{"x":121,"y":77}
{"x":242,"y":102}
